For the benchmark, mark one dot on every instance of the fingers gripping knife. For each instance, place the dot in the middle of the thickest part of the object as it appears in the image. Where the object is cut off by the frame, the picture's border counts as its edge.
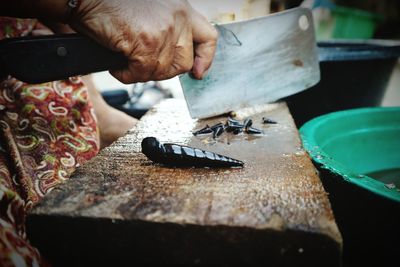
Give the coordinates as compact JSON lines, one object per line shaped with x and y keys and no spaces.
{"x":257,"y":61}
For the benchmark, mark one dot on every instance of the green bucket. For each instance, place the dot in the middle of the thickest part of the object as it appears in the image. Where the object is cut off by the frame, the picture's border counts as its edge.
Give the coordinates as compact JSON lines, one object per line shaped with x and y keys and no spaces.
{"x":357,"y":153}
{"x":351,"y":23}
{"x":360,"y":145}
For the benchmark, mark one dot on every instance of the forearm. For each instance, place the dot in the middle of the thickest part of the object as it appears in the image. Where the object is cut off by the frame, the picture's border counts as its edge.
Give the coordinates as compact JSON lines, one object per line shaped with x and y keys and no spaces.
{"x":50,"y":10}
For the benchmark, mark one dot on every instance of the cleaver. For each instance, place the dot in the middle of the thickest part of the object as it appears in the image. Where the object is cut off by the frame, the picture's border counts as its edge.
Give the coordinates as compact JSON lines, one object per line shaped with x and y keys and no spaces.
{"x":257,"y":61}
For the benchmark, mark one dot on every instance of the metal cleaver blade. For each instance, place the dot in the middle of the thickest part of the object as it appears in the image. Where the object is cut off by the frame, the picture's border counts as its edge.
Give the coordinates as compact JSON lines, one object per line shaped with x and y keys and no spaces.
{"x":257,"y":61}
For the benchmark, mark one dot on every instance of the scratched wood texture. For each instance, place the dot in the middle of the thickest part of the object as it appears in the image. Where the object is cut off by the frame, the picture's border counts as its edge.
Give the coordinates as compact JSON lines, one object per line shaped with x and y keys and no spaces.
{"x":122,"y":208}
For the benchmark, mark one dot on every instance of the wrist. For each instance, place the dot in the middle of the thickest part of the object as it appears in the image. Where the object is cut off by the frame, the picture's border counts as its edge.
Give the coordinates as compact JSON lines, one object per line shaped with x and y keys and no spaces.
{"x":77,"y":10}
{"x":72,"y":8}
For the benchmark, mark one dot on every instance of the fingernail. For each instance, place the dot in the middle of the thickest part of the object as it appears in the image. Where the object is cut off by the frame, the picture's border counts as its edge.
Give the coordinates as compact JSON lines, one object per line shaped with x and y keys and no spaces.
{"x":198,"y":69}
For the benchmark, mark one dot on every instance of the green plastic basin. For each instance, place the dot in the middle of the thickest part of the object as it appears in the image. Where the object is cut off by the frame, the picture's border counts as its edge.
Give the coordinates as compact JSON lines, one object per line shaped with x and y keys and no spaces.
{"x":351,"y":23}
{"x":360,"y":145}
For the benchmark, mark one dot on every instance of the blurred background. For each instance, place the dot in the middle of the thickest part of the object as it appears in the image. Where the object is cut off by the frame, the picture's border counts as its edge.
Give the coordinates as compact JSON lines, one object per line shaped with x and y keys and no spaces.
{"x":375,"y":82}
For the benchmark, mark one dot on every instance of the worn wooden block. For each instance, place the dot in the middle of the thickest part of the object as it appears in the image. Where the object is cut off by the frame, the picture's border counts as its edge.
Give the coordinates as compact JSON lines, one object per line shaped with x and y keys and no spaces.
{"x":122,"y":208}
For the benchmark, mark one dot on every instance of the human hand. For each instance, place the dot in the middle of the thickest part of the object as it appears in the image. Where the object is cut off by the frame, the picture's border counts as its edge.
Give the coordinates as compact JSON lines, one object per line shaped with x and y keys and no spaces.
{"x":161,"y":38}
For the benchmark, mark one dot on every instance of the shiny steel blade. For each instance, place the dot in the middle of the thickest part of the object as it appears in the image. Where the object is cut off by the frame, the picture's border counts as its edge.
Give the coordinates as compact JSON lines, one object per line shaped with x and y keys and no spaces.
{"x":257,"y":61}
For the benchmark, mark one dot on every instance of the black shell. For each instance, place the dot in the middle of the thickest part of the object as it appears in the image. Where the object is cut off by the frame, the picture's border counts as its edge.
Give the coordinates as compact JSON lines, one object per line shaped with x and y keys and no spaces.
{"x":205,"y":130}
{"x":252,"y":130}
{"x":184,"y":156}
{"x":248,"y":123}
{"x":268,"y":121}
{"x":218,"y":131}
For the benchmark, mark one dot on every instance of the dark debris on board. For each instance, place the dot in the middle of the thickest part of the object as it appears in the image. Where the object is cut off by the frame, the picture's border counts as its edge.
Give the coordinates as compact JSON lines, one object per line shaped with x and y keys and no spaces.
{"x":268,"y":121}
{"x":232,"y":126}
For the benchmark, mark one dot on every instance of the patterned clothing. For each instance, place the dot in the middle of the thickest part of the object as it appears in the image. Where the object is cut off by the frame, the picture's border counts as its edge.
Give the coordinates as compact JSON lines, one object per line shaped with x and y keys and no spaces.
{"x":46,"y":131}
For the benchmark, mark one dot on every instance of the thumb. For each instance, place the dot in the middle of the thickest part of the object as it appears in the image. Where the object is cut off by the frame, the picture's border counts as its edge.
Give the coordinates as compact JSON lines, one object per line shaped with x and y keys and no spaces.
{"x":205,"y":42}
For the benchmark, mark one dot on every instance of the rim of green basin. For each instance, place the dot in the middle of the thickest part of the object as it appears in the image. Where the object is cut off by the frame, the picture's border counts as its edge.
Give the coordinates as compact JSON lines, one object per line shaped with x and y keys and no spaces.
{"x":310,"y":144}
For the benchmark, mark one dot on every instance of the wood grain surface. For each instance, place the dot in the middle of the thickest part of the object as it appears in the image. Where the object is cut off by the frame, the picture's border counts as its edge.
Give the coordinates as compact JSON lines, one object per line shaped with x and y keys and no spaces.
{"x":274,"y":210}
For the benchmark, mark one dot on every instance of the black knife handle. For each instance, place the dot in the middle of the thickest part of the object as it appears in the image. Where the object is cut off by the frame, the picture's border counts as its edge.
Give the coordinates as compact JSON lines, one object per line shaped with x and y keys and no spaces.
{"x":48,"y":58}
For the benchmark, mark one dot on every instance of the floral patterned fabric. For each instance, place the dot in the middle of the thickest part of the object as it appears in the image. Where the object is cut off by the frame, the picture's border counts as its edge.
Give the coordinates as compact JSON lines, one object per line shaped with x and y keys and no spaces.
{"x":46,"y":131}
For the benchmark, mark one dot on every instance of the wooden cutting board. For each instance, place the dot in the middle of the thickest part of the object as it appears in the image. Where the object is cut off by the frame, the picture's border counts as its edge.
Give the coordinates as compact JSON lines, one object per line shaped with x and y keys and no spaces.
{"x":122,"y":208}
